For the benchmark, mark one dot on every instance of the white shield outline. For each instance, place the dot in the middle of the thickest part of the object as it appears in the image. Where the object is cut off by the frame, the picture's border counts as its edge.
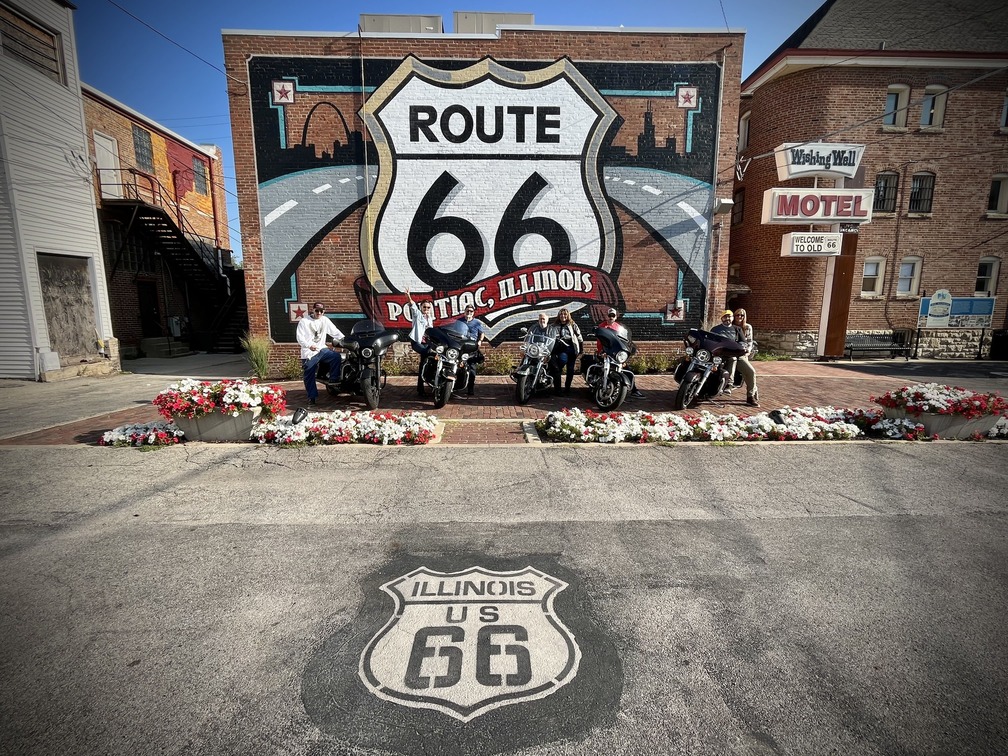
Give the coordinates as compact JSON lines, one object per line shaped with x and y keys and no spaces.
{"x":485,"y":69}
{"x":465,"y":713}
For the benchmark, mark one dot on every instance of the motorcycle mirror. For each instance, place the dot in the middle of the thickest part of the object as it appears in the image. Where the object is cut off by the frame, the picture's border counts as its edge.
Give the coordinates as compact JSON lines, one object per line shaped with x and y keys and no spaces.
{"x":523,"y":331}
{"x":299,"y":415}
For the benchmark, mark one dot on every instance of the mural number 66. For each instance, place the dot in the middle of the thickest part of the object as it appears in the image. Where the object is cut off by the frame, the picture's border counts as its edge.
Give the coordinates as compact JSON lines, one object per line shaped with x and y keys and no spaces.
{"x":513,"y":226}
{"x":444,"y":642}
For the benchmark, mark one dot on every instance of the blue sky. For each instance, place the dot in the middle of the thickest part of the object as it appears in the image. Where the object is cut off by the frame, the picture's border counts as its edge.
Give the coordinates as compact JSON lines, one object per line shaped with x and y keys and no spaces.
{"x":136,"y":65}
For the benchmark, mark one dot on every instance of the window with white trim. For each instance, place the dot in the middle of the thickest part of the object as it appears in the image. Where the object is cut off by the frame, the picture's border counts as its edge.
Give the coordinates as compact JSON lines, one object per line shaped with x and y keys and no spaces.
{"x":871,"y":278}
{"x":908,"y":279}
{"x":922,"y":192}
{"x":29,"y":43}
{"x":199,"y":176}
{"x":933,"y":107}
{"x":897,"y":98}
{"x":743,"y":131}
{"x":997,"y":202}
{"x":886,"y":186}
{"x":987,"y":277}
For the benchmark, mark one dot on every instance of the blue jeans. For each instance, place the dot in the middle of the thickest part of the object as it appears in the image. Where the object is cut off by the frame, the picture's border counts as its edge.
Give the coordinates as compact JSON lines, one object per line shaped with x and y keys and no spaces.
{"x":327,"y":357}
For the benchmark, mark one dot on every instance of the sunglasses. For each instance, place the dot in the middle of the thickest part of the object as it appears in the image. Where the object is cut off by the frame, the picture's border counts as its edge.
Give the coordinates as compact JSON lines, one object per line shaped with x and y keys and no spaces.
{"x":612,"y":314}
{"x":320,"y":309}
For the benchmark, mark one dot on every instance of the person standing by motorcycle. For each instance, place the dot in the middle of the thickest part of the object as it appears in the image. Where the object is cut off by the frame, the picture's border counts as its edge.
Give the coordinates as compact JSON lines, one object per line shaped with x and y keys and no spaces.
{"x":748,"y":371}
{"x":569,"y":342}
{"x":423,"y":318}
{"x":544,"y":329}
{"x":614,"y":325}
{"x":477,"y":332}
{"x":312,"y":332}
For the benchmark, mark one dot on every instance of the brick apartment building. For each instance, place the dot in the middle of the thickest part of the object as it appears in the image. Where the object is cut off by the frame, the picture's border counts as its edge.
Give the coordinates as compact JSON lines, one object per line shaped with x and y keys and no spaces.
{"x":924,"y":87}
{"x":525,"y":169}
{"x":163,"y":219}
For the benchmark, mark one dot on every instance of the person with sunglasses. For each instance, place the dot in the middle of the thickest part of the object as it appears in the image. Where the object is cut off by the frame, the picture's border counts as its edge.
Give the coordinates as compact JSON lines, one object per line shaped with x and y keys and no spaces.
{"x":727,"y":329}
{"x":614,"y":325}
{"x":742,"y":363}
{"x":477,"y":332}
{"x":423,"y":318}
{"x":313,"y":330}
{"x":570,"y":343}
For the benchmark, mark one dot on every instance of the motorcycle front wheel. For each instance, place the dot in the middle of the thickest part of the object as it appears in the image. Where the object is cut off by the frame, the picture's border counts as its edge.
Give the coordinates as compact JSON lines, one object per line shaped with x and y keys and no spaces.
{"x":688,"y":391}
{"x":610,"y":394}
{"x":371,"y":388}
{"x":441,"y":393}
{"x":523,"y":391}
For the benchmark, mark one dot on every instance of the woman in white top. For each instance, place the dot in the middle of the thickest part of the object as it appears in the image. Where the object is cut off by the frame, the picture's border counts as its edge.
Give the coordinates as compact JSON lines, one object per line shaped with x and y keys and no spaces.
{"x":743,"y":364}
{"x":423,"y":318}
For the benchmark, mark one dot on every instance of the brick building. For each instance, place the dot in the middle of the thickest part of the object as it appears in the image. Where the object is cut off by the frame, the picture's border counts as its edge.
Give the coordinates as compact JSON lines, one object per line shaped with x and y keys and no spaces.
{"x":163,"y":220}
{"x":924,"y":87}
{"x":528,"y":169}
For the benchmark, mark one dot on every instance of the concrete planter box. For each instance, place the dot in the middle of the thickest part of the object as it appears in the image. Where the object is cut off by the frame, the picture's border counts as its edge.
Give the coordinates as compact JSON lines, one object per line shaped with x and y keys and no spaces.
{"x":946,"y":426}
{"x":218,"y":427}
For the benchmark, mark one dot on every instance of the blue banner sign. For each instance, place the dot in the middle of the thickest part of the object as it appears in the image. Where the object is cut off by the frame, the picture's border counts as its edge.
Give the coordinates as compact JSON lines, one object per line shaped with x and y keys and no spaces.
{"x":964,"y":312}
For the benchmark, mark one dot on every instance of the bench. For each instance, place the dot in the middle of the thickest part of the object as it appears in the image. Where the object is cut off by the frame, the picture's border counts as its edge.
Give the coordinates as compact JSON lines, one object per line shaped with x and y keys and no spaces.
{"x":894,"y":342}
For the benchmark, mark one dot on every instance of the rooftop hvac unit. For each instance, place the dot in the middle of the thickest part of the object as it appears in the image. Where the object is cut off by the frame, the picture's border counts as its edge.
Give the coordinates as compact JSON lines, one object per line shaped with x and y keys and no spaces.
{"x":471,"y":22}
{"x":405,"y":24}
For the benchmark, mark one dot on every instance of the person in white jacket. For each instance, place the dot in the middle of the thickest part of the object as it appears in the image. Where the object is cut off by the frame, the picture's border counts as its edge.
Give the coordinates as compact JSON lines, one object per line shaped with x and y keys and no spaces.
{"x":423,"y":318}
{"x":313,"y":330}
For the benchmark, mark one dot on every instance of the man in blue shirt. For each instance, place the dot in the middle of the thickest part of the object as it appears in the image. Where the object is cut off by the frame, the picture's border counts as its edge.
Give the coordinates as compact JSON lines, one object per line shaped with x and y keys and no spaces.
{"x":477,"y":332}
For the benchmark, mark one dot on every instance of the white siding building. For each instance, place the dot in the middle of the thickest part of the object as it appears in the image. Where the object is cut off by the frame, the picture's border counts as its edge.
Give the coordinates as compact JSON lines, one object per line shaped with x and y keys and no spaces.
{"x":54,"y":307}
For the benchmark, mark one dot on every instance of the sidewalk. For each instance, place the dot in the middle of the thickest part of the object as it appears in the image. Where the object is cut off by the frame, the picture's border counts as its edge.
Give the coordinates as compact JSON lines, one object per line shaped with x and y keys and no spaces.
{"x":79,"y":411}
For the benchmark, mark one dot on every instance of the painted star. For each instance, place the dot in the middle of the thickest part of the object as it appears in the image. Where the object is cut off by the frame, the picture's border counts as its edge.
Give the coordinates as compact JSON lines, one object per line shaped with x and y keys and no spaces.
{"x":687,"y":98}
{"x":299,"y":311}
{"x":283,"y":93}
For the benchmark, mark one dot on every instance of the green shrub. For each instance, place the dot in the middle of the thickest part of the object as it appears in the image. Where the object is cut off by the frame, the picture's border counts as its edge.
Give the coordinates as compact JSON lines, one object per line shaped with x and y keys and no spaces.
{"x":257,"y":349}
{"x":407,"y":364}
{"x":291,"y":369}
{"x":499,"y":361}
{"x":638,"y":363}
{"x":659,"y":362}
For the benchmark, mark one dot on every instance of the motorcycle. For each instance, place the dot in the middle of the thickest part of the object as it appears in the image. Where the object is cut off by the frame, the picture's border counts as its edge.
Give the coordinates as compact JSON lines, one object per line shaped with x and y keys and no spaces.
{"x":702,"y":374}
{"x":446,"y":367}
{"x":360,"y":371}
{"x":605,"y":374}
{"x":533,"y":373}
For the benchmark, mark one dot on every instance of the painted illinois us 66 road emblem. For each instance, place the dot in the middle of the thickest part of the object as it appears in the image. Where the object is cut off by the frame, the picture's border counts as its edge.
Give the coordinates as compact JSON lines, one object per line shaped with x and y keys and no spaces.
{"x":465,"y":643}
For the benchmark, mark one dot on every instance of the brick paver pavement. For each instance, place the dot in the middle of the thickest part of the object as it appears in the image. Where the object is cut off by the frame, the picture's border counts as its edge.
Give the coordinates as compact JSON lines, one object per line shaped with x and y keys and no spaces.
{"x":492,"y":417}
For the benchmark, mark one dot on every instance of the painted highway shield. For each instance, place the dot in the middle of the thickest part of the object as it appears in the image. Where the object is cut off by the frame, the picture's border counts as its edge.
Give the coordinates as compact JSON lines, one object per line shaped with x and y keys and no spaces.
{"x":465,"y":643}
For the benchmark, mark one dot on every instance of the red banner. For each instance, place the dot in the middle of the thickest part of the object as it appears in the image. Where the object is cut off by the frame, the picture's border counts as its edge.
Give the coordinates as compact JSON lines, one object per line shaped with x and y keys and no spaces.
{"x":499,"y":296}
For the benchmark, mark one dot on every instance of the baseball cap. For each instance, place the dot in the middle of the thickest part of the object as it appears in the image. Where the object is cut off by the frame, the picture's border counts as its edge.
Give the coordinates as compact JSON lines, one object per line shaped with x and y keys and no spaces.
{"x":611,"y":311}
{"x":729,"y":313}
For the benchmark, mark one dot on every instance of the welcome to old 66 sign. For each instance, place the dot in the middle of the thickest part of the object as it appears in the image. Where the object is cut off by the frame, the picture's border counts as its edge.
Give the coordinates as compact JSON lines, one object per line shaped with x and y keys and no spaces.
{"x":488,"y":190}
{"x":465,"y":643}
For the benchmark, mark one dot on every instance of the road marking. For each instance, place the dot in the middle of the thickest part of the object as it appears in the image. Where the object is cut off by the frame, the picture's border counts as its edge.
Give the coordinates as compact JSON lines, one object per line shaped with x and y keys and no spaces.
{"x":630,"y":182}
{"x":344,"y":180}
{"x":692,"y":213}
{"x":320,"y":189}
{"x":288,"y":205}
{"x":360,"y":178}
{"x":651,"y":189}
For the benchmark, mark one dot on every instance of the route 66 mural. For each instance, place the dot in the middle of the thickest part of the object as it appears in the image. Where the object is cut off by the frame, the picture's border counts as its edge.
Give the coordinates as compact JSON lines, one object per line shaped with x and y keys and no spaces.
{"x":515,"y":186}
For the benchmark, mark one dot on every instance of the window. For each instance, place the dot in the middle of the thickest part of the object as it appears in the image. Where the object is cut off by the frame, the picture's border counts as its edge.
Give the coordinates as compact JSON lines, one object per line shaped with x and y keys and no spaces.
{"x":26,"y":41}
{"x":886,"y":185}
{"x":131,"y":252}
{"x":987,"y":276}
{"x":908,"y":280}
{"x":143,"y":149}
{"x":922,"y":192}
{"x":738,"y":206}
{"x":997,"y":202}
{"x":871,"y":281}
{"x":743,"y":131}
{"x":1004,"y":114}
{"x":933,"y":107}
{"x":199,"y":175}
{"x":896,"y":106}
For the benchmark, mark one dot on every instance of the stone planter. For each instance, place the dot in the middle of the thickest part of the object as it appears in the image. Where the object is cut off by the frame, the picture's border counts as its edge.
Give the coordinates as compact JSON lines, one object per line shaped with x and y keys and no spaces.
{"x":945,"y":426}
{"x":218,"y":427}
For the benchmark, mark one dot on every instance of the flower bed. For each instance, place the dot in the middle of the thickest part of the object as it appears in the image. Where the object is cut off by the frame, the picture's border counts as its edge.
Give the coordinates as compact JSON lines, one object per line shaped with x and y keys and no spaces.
{"x":192,"y":399}
{"x":943,"y":400}
{"x":142,"y":434}
{"x":785,"y":424}
{"x":348,"y":428}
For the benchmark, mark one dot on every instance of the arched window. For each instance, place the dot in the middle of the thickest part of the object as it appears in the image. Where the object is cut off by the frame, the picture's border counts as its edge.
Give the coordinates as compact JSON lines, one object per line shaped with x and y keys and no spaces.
{"x":987,"y":277}
{"x":908,"y":277}
{"x":872,"y":277}
{"x":997,"y":202}
{"x":922,"y":192}
{"x":933,"y":107}
{"x":897,"y":98}
{"x":886,"y":186}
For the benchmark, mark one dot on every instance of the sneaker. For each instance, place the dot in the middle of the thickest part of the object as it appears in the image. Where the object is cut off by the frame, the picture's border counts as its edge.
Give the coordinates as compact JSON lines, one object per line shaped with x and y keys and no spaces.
{"x":637,"y":394}
{"x":312,"y":402}
{"x":727,"y":391}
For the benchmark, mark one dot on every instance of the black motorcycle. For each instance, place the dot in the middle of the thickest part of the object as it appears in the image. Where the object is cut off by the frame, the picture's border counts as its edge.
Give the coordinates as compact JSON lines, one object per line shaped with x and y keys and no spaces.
{"x":606,"y":374}
{"x":360,"y":372}
{"x":534,"y":372}
{"x":703,"y":374}
{"x":446,"y":367}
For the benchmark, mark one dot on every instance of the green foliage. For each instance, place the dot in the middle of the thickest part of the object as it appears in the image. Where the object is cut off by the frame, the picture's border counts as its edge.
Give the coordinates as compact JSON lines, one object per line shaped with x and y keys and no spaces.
{"x":659,"y":362}
{"x":404,"y":365}
{"x":498,"y":361}
{"x":767,"y":356}
{"x":291,"y":370}
{"x":257,"y":349}
{"x":638,"y":363}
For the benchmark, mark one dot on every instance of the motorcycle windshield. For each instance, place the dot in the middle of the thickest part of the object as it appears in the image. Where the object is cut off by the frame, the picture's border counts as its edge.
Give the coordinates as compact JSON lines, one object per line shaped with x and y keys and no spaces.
{"x":543,"y":340}
{"x":718,"y":344}
{"x":367,"y":328}
{"x":611,"y":340}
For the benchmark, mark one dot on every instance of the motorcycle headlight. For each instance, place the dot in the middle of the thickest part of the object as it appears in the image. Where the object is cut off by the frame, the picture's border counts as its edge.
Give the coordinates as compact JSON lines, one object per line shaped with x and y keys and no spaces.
{"x":717,"y":360}
{"x":689,"y":351}
{"x":622,"y":356}
{"x":366,"y":353}
{"x":452,"y":354}
{"x":439,"y":349}
{"x":535,"y":350}
{"x":703,"y":355}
